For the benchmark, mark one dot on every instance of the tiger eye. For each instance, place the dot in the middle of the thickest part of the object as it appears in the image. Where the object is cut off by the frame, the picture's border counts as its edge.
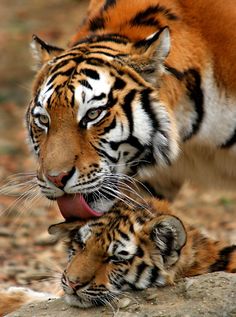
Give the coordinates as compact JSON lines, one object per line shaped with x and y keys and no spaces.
{"x":93,"y":114}
{"x":43,"y":119}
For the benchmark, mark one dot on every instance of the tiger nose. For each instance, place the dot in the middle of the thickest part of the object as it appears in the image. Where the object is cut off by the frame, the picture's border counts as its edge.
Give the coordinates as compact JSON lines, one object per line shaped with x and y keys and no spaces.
{"x":60,"y":179}
{"x":75,"y":285}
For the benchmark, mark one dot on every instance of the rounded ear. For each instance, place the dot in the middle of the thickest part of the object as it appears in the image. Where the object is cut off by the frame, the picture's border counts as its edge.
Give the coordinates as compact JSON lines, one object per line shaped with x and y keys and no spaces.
{"x":169,"y":235}
{"x":63,"y":229}
{"x":157,"y":44}
{"x":43,"y":52}
{"x":150,"y":54}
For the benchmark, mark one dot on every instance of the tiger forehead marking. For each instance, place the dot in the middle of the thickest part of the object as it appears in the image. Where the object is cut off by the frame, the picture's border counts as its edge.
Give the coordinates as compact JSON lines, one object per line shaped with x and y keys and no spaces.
{"x":92,"y":93}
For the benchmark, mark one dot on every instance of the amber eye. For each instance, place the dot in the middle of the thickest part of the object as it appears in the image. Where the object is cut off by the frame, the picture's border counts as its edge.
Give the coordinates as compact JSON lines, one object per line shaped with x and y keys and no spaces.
{"x":43,"y":119}
{"x":93,"y":114}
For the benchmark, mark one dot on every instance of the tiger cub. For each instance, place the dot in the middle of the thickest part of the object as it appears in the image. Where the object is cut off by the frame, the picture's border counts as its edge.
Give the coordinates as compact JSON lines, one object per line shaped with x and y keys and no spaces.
{"x":135,"y":249}
{"x":128,"y":248}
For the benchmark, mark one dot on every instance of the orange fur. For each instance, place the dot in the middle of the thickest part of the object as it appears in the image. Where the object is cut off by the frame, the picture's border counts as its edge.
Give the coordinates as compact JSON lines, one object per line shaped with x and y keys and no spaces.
{"x":179,"y":251}
{"x":92,"y":261}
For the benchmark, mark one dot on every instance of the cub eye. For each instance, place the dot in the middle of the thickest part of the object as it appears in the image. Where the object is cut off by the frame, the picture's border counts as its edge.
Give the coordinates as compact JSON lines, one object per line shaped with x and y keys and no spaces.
{"x":71,"y":252}
{"x":43,"y":119}
{"x":93,"y":114}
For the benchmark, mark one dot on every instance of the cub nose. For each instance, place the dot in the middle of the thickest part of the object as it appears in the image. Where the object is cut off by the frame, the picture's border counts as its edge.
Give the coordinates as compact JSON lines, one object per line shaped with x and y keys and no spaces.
{"x":60,"y":179}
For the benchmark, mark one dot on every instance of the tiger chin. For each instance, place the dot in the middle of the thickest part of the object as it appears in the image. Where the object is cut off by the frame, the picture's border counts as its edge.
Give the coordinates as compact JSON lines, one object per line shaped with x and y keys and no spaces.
{"x":130,"y":249}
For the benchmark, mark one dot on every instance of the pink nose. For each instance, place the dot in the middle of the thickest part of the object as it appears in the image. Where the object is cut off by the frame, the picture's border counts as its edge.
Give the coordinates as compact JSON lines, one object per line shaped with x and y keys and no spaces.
{"x":59,"y":180}
{"x":72,"y":284}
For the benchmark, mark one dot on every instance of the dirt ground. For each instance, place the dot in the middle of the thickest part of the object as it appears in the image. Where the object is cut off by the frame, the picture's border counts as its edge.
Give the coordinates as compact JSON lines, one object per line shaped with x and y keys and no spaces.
{"x":28,"y":256}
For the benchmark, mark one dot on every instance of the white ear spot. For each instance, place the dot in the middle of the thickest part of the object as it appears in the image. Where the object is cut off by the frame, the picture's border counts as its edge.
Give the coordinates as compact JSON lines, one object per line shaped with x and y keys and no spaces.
{"x":85,"y":233}
{"x":164,"y":45}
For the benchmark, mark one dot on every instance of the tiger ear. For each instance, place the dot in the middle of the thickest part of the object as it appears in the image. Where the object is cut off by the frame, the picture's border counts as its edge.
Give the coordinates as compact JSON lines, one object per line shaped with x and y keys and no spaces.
{"x":43,"y":52}
{"x":169,"y":236}
{"x":63,"y":229}
{"x":151,"y":53}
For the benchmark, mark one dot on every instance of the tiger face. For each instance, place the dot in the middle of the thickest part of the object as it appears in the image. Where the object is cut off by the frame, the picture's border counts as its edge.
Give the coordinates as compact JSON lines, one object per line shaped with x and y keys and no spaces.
{"x":94,"y":118}
{"x":121,"y":250}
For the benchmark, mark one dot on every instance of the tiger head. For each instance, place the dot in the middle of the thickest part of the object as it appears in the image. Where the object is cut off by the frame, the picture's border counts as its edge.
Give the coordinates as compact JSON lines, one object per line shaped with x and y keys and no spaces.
{"x":120,"y":250}
{"x":96,"y":116}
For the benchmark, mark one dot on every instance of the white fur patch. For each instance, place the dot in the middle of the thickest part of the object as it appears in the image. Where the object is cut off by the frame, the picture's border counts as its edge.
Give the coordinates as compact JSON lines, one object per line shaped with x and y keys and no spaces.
{"x":45,"y":93}
{"x":117,"y":247}
{"x":167,"y":140}
{"x":219,"y":121}
{"x":84,"y":96}
{"x":85,"y":233}
{"x":141,"y":132}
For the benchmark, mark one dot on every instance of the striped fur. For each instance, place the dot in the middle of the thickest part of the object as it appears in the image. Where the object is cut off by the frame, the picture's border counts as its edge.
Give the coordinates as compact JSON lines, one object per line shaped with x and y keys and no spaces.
{"x":161,"y":80}
{"x":127,"y":248}
{"x":135,"y":249}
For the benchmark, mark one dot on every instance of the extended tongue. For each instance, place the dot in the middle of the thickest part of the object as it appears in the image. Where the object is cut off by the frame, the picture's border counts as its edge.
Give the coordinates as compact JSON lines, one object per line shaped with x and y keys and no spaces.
{"x":75,"y":206}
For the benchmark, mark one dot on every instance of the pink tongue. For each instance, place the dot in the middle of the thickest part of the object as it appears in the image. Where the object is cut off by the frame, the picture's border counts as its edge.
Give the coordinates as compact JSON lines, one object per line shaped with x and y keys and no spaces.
{"x":75,"y":206}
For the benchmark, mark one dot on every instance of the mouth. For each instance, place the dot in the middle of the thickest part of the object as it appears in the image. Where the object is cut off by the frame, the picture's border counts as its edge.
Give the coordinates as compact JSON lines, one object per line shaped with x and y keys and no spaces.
{"x":75,"y":206}
{"x":81,"y":206}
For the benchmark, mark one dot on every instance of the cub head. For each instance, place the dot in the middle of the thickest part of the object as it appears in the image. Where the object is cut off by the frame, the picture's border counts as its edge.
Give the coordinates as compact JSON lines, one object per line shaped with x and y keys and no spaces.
{"x":96,"y":116}
{"x":117,"y":252}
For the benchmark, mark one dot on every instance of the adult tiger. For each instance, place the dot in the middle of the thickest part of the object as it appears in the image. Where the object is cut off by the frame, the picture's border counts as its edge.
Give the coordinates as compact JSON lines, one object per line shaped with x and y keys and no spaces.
{"x":145,"y":86}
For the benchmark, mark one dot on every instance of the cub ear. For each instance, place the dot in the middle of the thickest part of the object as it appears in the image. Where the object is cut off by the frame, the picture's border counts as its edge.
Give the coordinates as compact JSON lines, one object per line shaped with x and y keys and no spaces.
{"x":43,"y":52}
{"x":150,"y":54}
{"x":63,"y":229}
{"x":169,"y":235}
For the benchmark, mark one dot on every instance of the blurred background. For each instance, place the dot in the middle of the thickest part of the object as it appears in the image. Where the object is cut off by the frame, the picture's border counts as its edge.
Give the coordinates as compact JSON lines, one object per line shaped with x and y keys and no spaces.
{"x":28,"y":255}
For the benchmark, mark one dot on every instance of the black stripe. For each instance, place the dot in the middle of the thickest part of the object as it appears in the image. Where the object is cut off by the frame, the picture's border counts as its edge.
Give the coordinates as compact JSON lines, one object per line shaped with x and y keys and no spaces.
{"x":231,"y":141}
{"x":108,"y":4}
{"x":175,"y":72}
{"x":139,"y":253}
{"x":143,"y":16}
{"x":97,"y":24}
{"x":140,"y":220}
{"x":192,"y":80}
{"x":95,"y":61}
{"x":112,"y":37}
{"x":194,"y":91}
{"x":119,"y":84}
{"x":127,"y":107}
{"x":140,"y":269}
{"x":90,"y":73}
{"x":131,"y":286}
{"x":85,"y":83}
{"x":59,"y":65}
{"x":154,"y":275}
{"x":123,"y":235}
{"x":103,"y":47}
{"x":223,"y":260}
{"x":146,"y":104}
{"x":68,"y":73}
{"x":99,"y":97}
{"x":105,"y":154}
{"x":117,"y":55}
{"x":147,"y":22}
{"x":110,"y":127}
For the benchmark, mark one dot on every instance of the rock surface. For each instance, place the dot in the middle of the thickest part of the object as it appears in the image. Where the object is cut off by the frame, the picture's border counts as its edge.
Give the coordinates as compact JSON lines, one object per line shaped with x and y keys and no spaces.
{"x":207,"y":295}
